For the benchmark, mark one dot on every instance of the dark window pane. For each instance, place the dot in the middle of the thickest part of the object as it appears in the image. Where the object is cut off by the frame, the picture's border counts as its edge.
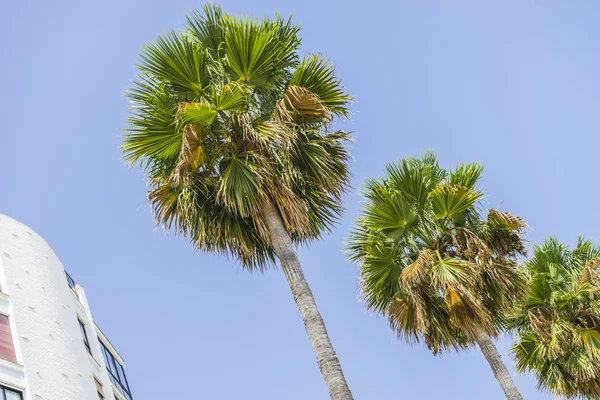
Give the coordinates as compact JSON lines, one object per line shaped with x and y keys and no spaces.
{"x":107,"y":357}
{"x":86,"y":342}
{"x":120,"y":372}
{"x":114,"y":367}
{"x":116,"y":373}
{"x":123,"y":376}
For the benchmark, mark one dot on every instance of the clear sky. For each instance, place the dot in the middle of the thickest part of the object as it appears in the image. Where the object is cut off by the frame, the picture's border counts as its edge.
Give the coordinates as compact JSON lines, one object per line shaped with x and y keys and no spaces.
{"x":513,"y":83}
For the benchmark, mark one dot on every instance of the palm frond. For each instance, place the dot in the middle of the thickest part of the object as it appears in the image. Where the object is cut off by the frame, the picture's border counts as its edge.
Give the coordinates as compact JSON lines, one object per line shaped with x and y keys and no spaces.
{"x":392,"y":215}
{"x":174,"y":59}
{"x":231,"y":97}
{"x":466,"y":175}
{"x":239,"y":187}
{"x":497,"y":220}
{"x":411,"y":182}
{"x":452,"y":201}
{"x":256,"y":49}
{"x":317,"y":76}
{"x":209,"y":29}
{"x":196,"y":113}
{"x":152,"y":133}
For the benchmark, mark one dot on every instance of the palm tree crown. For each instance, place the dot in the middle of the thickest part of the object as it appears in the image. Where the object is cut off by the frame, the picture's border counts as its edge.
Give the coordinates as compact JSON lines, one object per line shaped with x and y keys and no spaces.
{"x":429,"y":261}
{"x":226,"y":117}
{"x":558,"y":323}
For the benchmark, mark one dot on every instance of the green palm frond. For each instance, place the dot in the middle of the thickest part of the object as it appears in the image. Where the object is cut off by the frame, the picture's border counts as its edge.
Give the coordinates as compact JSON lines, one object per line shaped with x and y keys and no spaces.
{"x":452,"y":201}
{"x":381,"y":280}
{"x":317,"y":76}
{"x":181,"y":63}
{"x":392,"y":215}
{"x":209,"y":29}
{"x":152,"y":133}
{"x":196,"y":113}
{"x":413,"y":183}
{"x":239,"y":187}
{"x":256,"y":50}
{"x":452,"y":272}
{"x":231,"y":97}
{"x":466,"y":175}
{"x":590,"y":337}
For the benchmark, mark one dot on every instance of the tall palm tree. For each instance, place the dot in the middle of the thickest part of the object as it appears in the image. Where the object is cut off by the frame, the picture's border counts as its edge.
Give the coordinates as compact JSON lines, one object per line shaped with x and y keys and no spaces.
{"x":233,"y":130}
{"x":558,"y":322}
{"x":430,"y":262}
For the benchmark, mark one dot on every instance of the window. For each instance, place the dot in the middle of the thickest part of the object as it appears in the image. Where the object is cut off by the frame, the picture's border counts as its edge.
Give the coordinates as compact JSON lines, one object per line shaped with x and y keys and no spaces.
{"x":9,"y":394}
{"x":7,"y":348}
{"x":99,"y":389}
{"x":86,"y":342}
{"x":116,"y":373}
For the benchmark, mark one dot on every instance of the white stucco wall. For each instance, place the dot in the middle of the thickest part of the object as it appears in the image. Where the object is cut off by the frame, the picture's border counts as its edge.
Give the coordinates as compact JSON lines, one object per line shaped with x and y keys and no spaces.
{"x":44,"y":316}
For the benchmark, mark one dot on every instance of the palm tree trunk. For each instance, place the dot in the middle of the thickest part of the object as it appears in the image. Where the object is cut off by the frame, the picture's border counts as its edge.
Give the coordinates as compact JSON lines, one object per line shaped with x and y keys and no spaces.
{"x":488,"y":348}
{"x":313,"y":323}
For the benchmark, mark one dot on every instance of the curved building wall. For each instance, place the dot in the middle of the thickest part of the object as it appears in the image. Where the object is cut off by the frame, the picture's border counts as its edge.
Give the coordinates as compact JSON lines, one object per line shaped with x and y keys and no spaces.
{"x":44,"y":313}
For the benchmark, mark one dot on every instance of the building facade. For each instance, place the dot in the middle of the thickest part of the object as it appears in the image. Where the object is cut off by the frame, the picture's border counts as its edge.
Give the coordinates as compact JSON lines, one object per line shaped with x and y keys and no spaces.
{"x":50,"y":347}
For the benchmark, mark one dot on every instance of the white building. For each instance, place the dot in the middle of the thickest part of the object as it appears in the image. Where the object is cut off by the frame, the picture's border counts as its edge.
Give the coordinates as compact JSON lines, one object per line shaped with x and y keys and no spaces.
{"x":50,"y":347}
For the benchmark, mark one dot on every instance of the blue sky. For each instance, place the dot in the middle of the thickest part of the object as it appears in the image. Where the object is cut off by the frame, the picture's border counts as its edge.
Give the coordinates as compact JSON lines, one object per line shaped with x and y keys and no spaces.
{"x":514,"y":84}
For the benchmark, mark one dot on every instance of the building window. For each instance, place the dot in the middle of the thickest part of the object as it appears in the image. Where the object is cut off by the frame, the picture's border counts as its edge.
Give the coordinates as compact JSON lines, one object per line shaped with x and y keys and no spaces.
{"x":7,"y":348}
{"x":99,"y":389}
{"x":86,"y":342}
{"x":10,"y":394}
{"x":116,"y":373}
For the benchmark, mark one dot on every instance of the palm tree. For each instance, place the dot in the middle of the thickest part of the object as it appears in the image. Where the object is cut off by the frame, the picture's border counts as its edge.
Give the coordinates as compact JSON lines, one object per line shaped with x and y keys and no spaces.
{"x":558,"y":322}
{"x":233,"y":130}
{"x":430,"y":262}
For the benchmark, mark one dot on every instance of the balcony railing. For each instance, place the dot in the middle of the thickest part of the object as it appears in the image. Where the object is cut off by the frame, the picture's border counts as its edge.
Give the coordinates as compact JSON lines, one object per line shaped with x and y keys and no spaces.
{"x":71,"y":283}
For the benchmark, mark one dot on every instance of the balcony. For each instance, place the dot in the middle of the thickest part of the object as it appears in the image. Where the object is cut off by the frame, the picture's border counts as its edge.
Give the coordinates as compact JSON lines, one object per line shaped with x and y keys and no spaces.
{"x":71,"y":283}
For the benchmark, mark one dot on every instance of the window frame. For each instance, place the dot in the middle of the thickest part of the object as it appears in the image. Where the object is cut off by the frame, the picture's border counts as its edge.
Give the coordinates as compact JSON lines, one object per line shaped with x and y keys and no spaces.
{"x":86,"y":340}
{"x":3,"y":390}
{"x":99,"y":388}
{"x":116,"y":372}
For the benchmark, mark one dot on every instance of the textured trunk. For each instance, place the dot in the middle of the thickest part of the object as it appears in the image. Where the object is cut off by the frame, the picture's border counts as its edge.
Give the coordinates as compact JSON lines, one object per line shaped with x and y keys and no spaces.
{"x":313,"y":323}
{"x":500,"y":372}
